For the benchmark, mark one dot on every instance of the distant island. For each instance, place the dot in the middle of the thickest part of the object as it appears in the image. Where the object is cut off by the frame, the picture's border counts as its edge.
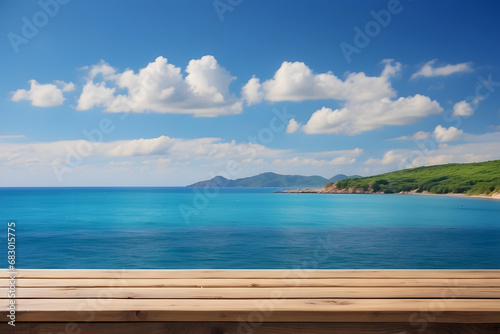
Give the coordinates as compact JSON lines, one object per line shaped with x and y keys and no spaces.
{"x":272,"y":180}
{"x":472,"y":179}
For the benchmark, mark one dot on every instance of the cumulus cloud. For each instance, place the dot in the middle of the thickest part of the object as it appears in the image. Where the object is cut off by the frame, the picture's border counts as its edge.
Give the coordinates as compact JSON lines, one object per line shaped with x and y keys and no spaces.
{"x":292,"y":126}
{"x":420,"y":135}
{"x":297,"y":82}
{"x":43,"y":95}
{"x":102,"y":68}
{"x":368,"y":102}
{"x":444,"y":135}
{"x":65,"y":86}
{"x":428,"y":70}
{"x":161,"y":87}
{"x":356,"y":118}
{"x":389,"y":158}
{"x":95,"y":95}
{"x":251,"y":92}
{"x":463,"y":108}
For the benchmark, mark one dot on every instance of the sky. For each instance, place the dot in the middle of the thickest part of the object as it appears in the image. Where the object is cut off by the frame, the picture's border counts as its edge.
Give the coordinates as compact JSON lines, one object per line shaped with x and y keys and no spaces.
{"x":167,"y":93}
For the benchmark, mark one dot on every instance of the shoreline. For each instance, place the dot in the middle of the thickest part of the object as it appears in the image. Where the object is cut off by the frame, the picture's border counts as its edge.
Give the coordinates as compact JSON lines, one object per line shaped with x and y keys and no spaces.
{"x":495,"y":196}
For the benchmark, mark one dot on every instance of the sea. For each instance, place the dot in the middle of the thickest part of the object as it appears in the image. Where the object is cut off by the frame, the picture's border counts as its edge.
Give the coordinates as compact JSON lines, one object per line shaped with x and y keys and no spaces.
{"x":246,"y":228}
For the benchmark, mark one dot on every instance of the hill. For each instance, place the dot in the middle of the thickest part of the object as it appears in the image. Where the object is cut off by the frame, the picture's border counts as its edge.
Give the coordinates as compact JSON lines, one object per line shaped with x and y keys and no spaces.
{"x":481,"y":178}
{"x":270,"y":180}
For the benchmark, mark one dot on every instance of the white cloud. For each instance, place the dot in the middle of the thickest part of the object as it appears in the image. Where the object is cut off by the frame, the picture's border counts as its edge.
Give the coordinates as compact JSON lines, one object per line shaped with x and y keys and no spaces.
{"x":65,"y":86}
{"x":292,"y":126}
{"x":420,"y":135}
{"x":157,"y":161}
{"x":389,"y":158}
{"x":485,"y":137}
{"x":391,"y":68}
{"x":142,"y":147}
{"x":461,"y":153}
{"x":444,"y":135}
{"x":368,"y":101}
{"x":12,"y":136}
{"x":102,"y":68}
{"x":354,"y":153}
{"x":330,"y":158}
{"x":79,"y":154}
{"x":160,"y":87}
{"x":95,"y":95}
{"x":121,"y":163}
{"x":251,"y":92}
{"x":356,"y":118}
{"x":43,"y":95}
{"x":297,"y":161}
{"x":440,"y":154}
{"x":429,"y":71}
{"x":464,"y":108}
{"x":297,"y":82}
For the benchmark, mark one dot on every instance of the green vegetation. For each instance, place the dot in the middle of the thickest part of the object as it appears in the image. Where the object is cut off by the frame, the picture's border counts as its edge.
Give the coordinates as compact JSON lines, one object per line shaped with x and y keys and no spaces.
{"x":471,"y":179}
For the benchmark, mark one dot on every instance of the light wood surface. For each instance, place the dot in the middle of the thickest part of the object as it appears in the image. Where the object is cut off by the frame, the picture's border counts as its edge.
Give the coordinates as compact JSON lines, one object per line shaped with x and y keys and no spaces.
{"x":266,"y":296}
{"x":225,"y":274}
{"x":255,"y":293}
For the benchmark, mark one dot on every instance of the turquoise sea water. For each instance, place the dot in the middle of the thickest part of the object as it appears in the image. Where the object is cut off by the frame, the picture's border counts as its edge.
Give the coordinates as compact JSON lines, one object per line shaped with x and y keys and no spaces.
{"x":246,"y":228}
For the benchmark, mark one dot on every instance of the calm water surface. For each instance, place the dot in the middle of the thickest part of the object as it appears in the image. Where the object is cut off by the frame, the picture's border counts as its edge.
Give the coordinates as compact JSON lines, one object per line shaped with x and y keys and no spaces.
{"x":246,"y":228}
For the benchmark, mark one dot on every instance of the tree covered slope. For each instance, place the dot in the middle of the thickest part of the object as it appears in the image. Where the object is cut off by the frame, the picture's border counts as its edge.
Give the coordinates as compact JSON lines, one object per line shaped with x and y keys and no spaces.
{"x":469,"y":178}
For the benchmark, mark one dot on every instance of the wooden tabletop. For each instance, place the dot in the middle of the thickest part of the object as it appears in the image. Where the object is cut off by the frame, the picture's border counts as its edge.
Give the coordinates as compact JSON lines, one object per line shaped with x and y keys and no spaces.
{"x":445,"y":296}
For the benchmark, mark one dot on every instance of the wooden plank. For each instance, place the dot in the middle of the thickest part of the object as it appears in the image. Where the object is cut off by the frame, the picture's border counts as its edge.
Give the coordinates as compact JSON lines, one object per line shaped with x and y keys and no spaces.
{"x":255,"y":293}
{"x":358,"y":305}
{"x":318,"y":282}
{"x":248,"y":327}
{"x":314,"y":310}
{"x":206,"y":274}
{"x":279,"y":316}
{"x":408,"y":296}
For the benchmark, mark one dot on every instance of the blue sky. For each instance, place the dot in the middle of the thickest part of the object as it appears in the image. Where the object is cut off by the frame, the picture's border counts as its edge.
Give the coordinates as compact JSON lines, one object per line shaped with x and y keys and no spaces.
{"x":174,"y":92}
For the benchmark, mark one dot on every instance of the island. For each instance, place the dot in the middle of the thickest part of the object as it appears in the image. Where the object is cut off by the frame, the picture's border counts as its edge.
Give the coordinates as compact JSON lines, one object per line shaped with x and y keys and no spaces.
{"x":268,"y":180}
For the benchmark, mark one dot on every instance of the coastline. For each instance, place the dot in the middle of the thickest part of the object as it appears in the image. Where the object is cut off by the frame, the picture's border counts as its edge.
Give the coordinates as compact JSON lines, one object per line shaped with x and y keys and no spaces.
{"x":495,"y":196}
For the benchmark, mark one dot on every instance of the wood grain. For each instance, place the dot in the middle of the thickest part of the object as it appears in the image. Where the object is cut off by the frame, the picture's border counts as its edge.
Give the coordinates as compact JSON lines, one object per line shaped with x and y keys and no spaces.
{"x":321,"y":299}
{"x":253,"y":293}
{"x":257,"y":282}
{"x":226,"y":274}
{"x":245,"y":328}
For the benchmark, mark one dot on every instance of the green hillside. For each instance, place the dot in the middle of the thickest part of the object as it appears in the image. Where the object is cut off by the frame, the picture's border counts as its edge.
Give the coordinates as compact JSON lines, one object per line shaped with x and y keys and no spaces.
{"x":471,"y":179}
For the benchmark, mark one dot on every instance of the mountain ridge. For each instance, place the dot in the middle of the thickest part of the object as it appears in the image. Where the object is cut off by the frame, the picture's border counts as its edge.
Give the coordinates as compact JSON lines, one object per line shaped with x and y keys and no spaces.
{"x":270,"y":180}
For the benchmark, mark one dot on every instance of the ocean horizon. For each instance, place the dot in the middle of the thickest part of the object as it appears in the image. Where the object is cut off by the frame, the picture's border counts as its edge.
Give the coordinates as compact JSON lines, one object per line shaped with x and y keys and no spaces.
{"x":247,"y":228}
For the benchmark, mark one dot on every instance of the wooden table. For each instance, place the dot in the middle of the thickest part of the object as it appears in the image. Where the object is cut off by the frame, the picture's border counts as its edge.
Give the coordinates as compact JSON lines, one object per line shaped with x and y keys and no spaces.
{"x":253,"y":301}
